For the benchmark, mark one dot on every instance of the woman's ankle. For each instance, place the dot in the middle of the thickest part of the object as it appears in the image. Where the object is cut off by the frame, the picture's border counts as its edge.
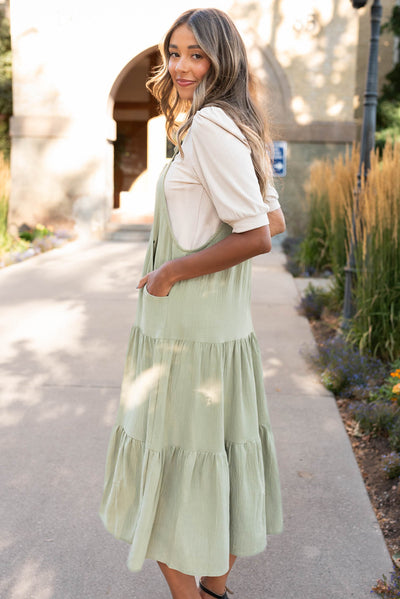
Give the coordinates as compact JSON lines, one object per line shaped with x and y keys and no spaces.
{"x":213,"y":584}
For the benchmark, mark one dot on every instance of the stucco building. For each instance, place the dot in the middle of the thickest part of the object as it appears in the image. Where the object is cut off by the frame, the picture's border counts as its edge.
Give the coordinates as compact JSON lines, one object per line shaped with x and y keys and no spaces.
{"x":87,"y":141}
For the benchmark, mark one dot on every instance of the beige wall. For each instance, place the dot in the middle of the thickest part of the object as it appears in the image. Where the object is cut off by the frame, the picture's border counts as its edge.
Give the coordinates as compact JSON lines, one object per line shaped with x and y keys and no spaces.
{"x":69,"y":55}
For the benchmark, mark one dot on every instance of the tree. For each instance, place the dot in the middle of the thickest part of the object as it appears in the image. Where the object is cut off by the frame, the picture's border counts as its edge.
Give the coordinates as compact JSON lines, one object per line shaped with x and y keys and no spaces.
{"x":388,"y":110}
{"x":5,"y":85}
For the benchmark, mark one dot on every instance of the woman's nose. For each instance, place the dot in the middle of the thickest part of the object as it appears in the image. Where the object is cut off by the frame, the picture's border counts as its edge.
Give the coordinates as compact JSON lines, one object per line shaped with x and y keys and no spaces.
{"x":182,"y":65}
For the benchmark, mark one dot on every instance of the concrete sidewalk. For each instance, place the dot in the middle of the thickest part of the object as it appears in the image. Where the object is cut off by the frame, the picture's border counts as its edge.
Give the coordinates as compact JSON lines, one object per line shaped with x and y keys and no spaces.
{"x":65,"y":320}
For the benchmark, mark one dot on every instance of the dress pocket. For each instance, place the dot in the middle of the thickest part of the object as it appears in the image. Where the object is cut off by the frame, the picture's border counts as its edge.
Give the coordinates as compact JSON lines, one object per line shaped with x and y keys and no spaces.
{"x":155,"y":314}
{"x":156,"y":297}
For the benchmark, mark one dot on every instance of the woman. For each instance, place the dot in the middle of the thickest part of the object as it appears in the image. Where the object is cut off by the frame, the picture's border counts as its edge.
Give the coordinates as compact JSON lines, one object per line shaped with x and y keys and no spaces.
{"x":191,"y":475}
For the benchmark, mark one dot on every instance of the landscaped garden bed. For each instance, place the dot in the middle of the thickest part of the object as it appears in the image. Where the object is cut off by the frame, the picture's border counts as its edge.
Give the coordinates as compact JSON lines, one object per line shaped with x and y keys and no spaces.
{"x":27,"y":241}
{"x":359,"y":358}
{"x":367,"y":391}
{"x":30,"y":242}
{"x":377,"y":454}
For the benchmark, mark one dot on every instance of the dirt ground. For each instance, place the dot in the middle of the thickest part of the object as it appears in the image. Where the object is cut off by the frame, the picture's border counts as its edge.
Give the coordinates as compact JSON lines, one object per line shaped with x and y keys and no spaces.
{"x":368,"y":449}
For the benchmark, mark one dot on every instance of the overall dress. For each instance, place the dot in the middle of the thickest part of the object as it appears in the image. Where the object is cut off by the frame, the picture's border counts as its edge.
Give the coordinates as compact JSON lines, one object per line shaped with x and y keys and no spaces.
{"x":191,"y":471}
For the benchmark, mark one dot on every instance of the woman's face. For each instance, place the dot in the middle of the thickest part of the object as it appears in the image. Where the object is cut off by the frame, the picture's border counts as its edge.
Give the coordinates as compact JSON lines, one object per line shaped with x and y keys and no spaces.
{"x":188,"y":64}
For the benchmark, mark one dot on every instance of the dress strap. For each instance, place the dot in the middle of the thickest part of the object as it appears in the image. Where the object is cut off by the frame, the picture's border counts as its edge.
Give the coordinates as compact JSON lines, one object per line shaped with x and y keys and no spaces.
{"x":175,"y":152}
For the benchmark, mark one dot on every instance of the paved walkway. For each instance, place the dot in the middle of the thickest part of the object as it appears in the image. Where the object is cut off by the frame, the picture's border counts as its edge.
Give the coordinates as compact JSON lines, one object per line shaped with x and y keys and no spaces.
{"x":64,"y":320}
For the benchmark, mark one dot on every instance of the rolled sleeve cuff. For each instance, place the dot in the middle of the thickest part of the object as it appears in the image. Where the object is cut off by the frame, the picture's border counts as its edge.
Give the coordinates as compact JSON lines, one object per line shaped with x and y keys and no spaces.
{"x":249,"y":223}
{"x":272,"y":204}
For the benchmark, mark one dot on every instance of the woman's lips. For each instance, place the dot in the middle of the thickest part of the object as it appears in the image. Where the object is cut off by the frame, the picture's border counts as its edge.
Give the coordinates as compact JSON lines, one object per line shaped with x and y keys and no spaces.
{"x":184,"y":82}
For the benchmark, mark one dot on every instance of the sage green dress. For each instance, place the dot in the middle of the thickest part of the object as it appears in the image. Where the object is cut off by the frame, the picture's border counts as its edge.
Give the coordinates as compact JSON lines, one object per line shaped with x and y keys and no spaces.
{"x":191,"y":471}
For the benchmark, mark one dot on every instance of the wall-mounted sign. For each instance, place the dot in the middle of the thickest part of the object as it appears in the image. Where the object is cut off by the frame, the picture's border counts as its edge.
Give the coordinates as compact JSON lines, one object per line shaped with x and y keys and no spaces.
{"x":279,"y":166}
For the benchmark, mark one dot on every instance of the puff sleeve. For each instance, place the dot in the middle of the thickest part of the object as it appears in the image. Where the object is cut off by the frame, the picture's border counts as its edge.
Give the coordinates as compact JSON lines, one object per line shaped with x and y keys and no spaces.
{"x":222,"y":163}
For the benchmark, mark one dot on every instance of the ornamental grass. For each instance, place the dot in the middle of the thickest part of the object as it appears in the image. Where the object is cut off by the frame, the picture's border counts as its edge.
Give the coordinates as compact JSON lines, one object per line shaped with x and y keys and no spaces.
{"x":329,"y":195}
{"x":376,"y":324}
{"x":375,"y":327}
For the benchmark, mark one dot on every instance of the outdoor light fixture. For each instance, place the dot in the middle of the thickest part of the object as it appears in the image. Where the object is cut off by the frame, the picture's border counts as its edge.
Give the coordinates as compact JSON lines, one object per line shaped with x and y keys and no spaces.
{"x":358,"y":3}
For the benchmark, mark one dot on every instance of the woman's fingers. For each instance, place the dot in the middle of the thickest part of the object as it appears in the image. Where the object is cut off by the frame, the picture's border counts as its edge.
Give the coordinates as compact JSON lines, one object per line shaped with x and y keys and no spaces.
{"x":153,"y":285}
{"x":142,"y":282}
{"x":157,"y":282}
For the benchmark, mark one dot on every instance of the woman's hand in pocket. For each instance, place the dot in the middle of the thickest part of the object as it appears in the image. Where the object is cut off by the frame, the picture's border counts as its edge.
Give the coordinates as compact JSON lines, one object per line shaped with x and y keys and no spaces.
{"x":158,"y":282}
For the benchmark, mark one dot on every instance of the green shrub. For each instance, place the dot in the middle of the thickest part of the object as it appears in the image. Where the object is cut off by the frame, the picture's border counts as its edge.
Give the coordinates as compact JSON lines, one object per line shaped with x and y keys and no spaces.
{"x":313,"y":302}
{"x":380,"y":414}
{"x":38,"y":232}
{"x":389,"y":589}
{"x":344,"y":371}
{"x":391,"y":464}
{"x":378,"y":417}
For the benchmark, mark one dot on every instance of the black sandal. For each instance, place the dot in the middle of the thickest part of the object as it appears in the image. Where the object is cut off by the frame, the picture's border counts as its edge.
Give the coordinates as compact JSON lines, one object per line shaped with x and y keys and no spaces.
{"x":224,"y":596}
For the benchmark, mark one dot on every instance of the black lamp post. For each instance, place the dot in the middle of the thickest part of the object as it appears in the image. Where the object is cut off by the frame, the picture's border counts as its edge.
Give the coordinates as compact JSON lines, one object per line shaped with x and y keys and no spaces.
{"x":367,"y":139}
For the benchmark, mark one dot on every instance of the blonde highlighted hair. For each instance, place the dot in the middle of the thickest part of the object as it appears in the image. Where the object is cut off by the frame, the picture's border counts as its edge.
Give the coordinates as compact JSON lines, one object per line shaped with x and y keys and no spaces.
{"x":227,"y":84}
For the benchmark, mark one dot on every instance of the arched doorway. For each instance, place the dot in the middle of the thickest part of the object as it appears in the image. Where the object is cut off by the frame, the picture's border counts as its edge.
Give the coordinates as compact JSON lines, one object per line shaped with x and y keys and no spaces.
{"x":133,"y":109}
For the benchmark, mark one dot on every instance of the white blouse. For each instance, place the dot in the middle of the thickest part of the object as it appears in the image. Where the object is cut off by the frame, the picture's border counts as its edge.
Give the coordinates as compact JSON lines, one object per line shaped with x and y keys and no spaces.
{"x":214,"y":182}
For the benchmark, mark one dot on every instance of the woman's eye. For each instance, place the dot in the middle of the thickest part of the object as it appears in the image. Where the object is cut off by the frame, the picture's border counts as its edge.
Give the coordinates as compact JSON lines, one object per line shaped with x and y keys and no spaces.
{"x":197,"y":56}
{"x":173,"y":54}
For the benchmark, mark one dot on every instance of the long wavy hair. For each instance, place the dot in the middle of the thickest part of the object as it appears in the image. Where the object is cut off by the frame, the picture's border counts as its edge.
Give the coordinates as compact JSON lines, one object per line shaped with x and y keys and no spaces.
{"x":227,"y":84}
